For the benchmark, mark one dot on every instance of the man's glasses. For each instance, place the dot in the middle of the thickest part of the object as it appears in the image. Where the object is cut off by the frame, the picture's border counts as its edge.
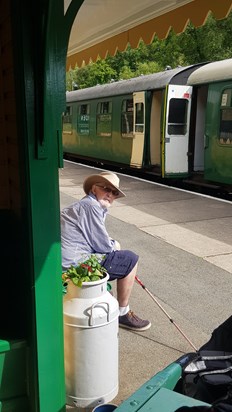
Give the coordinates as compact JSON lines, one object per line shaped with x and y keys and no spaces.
{"x":109,"y":190}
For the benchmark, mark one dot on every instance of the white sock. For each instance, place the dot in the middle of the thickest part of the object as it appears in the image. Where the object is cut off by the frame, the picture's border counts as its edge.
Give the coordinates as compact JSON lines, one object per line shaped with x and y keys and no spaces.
{"x":123,"y":310}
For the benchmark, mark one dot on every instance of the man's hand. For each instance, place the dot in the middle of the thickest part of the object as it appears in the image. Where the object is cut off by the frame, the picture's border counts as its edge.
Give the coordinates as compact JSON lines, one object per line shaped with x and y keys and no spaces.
{"x":117,"y":245}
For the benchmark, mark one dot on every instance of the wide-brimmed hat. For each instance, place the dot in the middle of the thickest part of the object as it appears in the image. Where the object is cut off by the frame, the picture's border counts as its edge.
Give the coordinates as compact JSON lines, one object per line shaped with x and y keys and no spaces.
{"x":103,"y":178}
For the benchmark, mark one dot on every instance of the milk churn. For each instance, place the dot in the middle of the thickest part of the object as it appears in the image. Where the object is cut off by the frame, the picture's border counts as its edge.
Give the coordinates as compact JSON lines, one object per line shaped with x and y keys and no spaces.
{"x":90,"y":344}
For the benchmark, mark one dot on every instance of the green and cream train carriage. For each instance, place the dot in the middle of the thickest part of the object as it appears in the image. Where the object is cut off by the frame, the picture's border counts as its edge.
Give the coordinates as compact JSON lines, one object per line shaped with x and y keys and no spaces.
{"x":212,"y":127}
{"x":156,"y":122}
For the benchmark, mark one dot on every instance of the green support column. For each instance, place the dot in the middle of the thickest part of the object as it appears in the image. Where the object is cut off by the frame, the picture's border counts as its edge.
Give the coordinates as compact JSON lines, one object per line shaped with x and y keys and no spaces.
{"x":41,"y":32}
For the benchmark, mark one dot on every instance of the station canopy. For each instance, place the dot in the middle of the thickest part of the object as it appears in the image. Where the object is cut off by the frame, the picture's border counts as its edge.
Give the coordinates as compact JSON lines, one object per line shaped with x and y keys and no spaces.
{"x":104,"y":27}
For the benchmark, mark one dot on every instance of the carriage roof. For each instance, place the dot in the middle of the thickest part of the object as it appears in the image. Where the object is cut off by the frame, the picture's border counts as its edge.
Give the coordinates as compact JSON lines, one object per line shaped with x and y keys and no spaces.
{"x":148,"y":82}
{"x":212,"y":72}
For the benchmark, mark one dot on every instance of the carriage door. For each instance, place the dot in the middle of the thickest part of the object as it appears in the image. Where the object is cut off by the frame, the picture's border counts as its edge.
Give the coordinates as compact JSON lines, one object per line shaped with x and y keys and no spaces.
{"x":138,"y":129}
{"x":175,"y":139}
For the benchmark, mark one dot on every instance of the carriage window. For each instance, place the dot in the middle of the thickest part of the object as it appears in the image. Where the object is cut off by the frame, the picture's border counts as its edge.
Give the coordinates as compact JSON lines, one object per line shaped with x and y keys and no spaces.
{"x":139,"y":118}
{"x":84,"y":109}
{"x":104,"y":107}
{"x":83,"y":119}
{"x":67,"y":120}
{"x":104,"y":117}
{"x":225,"y":132}
{"x":177,"y":116}
{"x":127,"y":118}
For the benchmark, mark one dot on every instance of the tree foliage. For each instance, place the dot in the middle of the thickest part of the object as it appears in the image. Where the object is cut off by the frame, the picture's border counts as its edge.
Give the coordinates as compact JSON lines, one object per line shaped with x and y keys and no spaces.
{"x":210,"y":42}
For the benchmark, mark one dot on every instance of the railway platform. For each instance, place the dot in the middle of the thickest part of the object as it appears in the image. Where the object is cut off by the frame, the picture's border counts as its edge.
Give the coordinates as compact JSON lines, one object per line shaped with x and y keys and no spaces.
{"x":184,"y":241}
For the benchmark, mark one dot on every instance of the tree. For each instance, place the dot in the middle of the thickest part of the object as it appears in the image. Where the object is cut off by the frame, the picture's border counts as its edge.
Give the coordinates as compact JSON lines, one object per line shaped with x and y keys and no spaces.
{"x":211,"y":42}
{"x":91,"y":75}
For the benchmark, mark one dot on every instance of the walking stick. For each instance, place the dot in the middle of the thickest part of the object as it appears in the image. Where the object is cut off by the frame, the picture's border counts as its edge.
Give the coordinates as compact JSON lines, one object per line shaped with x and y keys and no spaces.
{"x":169,"y":317}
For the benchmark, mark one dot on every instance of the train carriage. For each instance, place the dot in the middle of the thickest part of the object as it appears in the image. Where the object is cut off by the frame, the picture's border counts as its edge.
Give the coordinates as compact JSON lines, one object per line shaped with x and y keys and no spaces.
{"x":213,"y":119}
{"x":169,"y":123}
{"x":123,"y":122}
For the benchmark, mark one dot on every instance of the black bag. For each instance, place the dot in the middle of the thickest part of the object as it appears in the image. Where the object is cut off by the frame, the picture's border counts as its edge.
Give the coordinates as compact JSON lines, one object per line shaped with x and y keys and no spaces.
{"x":221,"y":338}
{"x":223,"y":406}
{"x":208,"y":376}
{"x":211,"y":381}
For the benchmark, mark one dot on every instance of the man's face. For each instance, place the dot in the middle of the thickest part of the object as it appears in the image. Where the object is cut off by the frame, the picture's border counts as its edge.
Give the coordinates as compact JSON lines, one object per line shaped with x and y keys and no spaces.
{"x":105,"y":194}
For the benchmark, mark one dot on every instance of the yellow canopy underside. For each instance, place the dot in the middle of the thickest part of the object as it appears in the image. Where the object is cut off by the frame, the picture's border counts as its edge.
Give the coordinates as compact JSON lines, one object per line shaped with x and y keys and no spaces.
{"x":93,"y":34}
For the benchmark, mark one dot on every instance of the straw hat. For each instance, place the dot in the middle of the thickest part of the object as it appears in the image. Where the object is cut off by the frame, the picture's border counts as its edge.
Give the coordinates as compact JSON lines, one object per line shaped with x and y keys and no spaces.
{"x":104,"y":178}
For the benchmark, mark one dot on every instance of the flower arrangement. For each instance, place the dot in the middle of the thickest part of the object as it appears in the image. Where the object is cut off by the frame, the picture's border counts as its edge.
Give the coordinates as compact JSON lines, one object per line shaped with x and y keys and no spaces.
{"x":88,"y":271}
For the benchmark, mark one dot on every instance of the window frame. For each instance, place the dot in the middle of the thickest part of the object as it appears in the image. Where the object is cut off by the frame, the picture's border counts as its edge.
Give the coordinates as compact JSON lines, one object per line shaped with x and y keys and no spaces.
{"x":104,"y":111}
{"x":129,"y":104}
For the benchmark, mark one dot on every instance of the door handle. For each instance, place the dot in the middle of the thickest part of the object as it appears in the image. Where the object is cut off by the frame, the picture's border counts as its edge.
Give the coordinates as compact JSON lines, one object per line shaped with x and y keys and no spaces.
{"x":206,"y":141}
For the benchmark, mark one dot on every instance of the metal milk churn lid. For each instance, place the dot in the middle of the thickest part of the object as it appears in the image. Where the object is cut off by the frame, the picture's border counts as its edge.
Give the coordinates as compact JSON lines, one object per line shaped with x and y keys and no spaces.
{"x":90,"y":344}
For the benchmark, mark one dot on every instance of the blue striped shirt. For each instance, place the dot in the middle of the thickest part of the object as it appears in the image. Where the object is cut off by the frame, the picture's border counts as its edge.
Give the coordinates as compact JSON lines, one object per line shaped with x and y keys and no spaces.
{"x":83,"y":232}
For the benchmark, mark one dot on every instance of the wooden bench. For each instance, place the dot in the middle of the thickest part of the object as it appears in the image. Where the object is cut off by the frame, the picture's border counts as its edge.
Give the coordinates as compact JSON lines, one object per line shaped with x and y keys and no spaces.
{"x":13,"y":376}
{"x":157,"y":394}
